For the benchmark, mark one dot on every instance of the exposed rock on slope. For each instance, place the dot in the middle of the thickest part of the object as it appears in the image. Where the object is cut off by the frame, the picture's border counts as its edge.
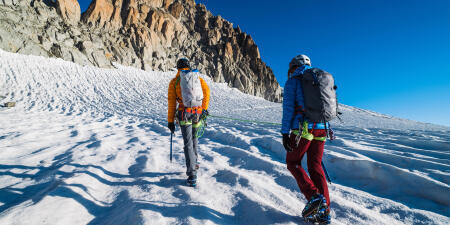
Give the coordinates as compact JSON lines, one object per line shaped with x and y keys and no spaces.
{"x":148,"y":34}
{"x":69,"y":10}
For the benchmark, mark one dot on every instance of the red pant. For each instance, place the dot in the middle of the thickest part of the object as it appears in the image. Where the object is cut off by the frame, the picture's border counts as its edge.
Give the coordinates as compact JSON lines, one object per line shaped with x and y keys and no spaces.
{"x":317,"y":183}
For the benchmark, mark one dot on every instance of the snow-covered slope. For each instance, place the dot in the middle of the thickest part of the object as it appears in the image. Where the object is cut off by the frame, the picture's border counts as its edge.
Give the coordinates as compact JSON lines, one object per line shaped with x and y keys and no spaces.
{"x":90,"y":146}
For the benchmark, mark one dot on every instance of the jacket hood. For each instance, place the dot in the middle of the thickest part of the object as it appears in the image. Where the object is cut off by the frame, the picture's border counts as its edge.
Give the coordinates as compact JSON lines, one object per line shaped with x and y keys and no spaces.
{"x":300,"y":70}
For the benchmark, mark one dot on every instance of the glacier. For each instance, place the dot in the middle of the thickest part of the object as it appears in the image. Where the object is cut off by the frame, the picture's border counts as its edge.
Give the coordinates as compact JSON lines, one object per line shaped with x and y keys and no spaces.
{"x":86,"y":145}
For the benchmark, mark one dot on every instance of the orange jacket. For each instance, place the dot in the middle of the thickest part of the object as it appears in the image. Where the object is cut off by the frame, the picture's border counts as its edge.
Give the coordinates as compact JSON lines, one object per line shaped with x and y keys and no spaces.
{"x":174,"y":96}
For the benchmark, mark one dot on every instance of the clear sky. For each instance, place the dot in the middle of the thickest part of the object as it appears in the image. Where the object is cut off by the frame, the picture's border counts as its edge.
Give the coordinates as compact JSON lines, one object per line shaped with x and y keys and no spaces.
{"x":389,"y":56}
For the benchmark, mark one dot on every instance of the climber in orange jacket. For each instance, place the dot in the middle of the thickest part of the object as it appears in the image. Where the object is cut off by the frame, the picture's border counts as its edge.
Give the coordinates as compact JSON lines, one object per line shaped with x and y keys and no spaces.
{"x":189,"y":112}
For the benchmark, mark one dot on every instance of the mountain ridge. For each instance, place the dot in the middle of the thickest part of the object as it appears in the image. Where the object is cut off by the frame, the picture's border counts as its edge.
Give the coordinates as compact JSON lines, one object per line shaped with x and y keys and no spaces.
{"x":147,"y":34}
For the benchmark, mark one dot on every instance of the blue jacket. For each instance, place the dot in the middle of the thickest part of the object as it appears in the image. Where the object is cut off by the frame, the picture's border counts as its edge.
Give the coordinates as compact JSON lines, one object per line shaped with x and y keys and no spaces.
{"x":292,"y":98}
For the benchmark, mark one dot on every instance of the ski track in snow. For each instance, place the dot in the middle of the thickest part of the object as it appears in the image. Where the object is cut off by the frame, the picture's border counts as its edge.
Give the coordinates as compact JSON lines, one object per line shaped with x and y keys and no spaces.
{"x":90,"y":146}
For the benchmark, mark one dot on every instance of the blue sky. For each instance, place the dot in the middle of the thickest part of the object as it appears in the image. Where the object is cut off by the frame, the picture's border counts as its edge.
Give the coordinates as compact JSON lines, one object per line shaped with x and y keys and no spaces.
{"x":392,"y":57}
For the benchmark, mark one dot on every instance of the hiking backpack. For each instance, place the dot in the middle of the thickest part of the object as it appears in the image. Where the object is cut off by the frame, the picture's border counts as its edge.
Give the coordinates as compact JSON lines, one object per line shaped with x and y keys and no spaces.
{"x":319,"y":94}
{"x":191,"y":88}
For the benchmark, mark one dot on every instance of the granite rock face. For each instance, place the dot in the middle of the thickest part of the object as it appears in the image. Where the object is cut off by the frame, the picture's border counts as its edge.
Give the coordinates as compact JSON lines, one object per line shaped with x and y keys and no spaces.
{"x":69,"y":10}
{"x":148,"y":34}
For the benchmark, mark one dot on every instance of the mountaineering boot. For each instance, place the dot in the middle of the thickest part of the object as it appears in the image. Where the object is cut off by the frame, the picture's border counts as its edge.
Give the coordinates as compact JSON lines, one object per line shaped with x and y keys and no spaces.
{"x":192,"y":181}
{"x":312,"y":207}
{"x":322,"y":217}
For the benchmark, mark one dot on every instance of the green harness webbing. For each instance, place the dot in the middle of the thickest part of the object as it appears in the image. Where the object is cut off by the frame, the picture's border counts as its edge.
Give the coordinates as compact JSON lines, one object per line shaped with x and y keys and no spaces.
{"x":306,"y":135}
{"x":200,"y":126}
{"x":189,"y":122}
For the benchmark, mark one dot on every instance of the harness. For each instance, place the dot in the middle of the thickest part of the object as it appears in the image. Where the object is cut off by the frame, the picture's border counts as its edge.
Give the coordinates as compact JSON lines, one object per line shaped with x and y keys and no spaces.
{"x":200,"y":125}
{"x":307,"y":135}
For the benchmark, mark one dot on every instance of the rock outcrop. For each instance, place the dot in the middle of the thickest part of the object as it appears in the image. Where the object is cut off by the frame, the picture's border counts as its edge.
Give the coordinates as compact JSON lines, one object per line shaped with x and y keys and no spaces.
{"x":148,"y":34}
{"x":69,"y":10}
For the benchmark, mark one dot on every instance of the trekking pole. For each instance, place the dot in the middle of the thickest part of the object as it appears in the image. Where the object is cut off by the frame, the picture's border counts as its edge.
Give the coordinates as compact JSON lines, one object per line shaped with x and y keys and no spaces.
{"x":326,"y":172}
{"x":171,"y":138}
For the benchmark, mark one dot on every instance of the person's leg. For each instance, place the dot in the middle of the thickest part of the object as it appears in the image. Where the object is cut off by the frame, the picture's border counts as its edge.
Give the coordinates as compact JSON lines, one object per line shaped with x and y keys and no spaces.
{"x":314,"y":161}
{"x":195,"y":145}
{"x":189,"y":151}
{"x":294,"y":160}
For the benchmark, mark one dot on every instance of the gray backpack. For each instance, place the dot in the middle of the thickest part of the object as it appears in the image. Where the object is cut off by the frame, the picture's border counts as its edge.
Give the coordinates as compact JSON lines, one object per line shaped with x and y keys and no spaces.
{"x":319,"y":93}
{"x":191,"y":88}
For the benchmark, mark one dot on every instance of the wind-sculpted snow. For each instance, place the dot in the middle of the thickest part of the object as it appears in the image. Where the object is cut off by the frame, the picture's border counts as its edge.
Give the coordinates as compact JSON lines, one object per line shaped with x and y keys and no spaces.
{"x":90,"y":146}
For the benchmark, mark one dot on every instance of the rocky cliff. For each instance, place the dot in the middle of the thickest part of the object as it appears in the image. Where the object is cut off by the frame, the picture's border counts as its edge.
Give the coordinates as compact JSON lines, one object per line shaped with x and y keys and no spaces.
{"x":148,"y":34}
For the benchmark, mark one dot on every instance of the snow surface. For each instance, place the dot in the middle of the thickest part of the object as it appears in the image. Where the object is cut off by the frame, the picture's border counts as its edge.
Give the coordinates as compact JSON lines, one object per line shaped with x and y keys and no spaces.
{"x":90,"y":146}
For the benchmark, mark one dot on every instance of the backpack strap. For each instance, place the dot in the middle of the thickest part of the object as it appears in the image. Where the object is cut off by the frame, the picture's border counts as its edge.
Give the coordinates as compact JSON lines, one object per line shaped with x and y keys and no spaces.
{"x":299,"y":110}
{"x":314,"y":72}
{"x":175,"y":86}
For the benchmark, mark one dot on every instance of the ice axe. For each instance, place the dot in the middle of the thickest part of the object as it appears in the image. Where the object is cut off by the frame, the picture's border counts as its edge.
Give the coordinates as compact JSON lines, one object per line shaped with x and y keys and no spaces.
{"x":326,"y":172}
{"x":171,"y":138}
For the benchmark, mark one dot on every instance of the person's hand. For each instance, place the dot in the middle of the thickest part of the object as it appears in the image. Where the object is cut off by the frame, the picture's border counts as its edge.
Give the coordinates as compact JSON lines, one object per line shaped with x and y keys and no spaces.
{"x":205,"y":112}
{"x":171,"y":127}
{"x":286,"y":144}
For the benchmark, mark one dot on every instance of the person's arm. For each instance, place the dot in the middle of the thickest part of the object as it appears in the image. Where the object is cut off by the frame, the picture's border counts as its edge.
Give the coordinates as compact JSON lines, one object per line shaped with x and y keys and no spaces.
{"x":171,"y":101}
{"x":288,"y":105}
{"x":206,"y":94}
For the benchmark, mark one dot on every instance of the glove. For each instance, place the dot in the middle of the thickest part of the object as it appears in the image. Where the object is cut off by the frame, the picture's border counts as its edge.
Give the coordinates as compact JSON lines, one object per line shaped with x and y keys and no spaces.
{"x":171,"y":127}
{"x":286,"y":141}
{"x":205,"y":114}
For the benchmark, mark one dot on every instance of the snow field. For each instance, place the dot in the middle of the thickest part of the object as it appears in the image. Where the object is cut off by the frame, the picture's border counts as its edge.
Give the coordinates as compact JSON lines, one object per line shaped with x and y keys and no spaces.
{"x":90,"y":146}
